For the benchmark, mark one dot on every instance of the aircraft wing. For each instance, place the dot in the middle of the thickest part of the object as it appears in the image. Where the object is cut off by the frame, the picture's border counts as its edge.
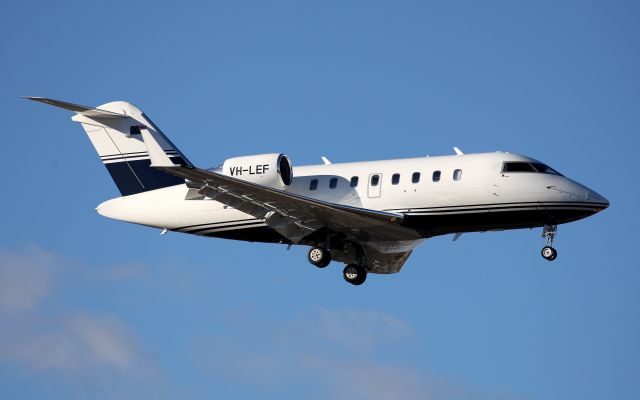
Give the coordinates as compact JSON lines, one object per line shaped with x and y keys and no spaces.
{"x":387,"y":243}
{"x":300,"y":213}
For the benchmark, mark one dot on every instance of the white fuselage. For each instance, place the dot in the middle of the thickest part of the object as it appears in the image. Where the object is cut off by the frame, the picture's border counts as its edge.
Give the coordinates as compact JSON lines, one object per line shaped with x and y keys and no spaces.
{"x":480,"y":193}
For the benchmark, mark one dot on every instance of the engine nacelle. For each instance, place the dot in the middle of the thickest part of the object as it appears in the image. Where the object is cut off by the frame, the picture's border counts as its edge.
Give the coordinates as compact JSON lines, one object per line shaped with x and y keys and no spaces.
{"x":273,"y":170}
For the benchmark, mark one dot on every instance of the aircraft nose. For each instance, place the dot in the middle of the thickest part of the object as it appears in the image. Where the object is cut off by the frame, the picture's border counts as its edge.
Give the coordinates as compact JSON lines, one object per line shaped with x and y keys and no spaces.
{"x":593,"y":197}
{"x":604,"y":201}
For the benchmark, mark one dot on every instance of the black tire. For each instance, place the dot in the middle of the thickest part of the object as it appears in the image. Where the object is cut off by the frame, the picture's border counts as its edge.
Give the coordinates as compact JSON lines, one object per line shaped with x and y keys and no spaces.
{"x":319,"y":257}
{"x":354,"y":274}
{"x":549,"y":253}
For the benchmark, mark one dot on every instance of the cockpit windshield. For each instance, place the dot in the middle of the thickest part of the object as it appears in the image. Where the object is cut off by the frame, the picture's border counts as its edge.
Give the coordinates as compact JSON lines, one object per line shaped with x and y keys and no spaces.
{"x":520,"y":166}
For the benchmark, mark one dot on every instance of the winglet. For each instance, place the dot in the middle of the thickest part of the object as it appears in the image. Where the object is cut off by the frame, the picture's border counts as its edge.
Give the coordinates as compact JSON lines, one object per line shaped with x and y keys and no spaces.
{"x":325,"y":160}
{"x":458,"y":151}
{"x":158,"y":157}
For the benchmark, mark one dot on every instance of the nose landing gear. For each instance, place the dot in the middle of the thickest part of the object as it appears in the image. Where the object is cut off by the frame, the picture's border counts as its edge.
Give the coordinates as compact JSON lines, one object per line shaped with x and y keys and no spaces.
{"x":548,"y":252}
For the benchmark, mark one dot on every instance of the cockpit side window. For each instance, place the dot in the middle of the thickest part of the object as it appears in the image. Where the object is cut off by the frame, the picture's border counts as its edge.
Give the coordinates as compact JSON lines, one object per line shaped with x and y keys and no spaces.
{"x":540,"y":167}
{"x":517,"y":167}
{"x":520,"y":166}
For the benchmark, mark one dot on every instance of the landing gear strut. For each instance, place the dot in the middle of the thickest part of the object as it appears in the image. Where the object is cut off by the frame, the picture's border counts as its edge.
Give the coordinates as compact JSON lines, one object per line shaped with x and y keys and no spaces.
{"x":548,"y":252}
{"x":319,"y":257}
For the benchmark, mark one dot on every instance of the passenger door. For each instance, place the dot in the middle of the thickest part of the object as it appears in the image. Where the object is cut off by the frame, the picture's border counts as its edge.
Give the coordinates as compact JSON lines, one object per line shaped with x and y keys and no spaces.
{"x":374,"y":185}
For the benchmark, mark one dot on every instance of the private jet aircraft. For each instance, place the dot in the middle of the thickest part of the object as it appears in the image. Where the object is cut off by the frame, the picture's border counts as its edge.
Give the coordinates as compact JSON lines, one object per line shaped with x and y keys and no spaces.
{"x":367,"y":215}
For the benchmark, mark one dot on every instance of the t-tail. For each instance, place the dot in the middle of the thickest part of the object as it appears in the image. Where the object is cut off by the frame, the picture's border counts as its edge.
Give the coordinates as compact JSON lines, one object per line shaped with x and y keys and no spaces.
{"x":115,"y":131}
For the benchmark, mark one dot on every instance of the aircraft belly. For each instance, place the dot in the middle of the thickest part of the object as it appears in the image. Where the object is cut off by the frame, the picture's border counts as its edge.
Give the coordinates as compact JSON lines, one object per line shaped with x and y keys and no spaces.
{"x":433,"y":223}
{"x":262,"y":234}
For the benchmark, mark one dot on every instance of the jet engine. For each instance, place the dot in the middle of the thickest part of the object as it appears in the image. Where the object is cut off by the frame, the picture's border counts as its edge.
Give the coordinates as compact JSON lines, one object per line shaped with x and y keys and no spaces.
{"x":273,"y":170}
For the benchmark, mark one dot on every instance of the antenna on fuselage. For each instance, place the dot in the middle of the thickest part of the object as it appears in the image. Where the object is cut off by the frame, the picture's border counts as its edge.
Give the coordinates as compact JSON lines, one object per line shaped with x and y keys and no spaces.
{"x":458,"y":151}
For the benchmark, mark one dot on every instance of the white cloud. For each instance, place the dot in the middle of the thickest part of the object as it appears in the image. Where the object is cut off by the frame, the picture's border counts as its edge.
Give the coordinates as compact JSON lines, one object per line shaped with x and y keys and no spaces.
{"x":366,"y":378}
{"x":358,"y":330}
{"x":37,"y":331}
{"x":328,"y":353}
{"x":25,"y":278}
{"x":320,"y":352}
{"x":71,"y":344}
{"x":332,"y":348}
{"x":107,"y":340}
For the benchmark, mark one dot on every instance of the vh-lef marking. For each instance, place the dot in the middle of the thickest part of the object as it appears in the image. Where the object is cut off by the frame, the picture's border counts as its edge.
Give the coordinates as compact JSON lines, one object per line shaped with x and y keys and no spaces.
{"x":251,"y":170}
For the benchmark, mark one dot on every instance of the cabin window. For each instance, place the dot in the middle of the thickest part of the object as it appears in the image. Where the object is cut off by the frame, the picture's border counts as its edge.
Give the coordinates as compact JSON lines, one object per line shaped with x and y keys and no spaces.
{"x":313,"y":185}
{"x":457,"y":174}
{"x":436,"y":176}
{"x":333,"y":183}
{"x":395,"y":179}
{"x":415,"y":178}
{"x":375,"y":180}
{"x":354,"y":181}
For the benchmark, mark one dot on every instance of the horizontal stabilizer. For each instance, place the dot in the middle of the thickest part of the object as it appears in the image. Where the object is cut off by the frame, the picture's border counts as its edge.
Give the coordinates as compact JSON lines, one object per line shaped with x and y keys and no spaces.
{"x":83,"y":110}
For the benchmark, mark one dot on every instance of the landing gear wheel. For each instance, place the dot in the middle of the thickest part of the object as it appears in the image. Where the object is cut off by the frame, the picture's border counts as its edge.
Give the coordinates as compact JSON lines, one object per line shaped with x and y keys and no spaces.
{"x":354,"y":274}
{"x":549,"y":253}
{"x":319,"y":257}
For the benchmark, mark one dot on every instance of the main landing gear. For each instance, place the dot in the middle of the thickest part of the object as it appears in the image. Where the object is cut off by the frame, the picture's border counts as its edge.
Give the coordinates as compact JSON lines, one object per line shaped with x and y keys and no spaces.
{"x":319,"y":257}
{"x":548,"y":252}
{"x":355,"y":274}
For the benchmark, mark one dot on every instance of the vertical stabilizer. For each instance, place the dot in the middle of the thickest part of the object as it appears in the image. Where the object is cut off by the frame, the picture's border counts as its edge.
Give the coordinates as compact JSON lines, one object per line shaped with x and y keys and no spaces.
{"x":115,"y":130}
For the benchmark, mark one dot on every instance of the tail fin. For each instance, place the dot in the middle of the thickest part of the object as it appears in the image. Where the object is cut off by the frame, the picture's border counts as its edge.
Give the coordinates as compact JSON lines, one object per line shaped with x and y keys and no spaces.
{"x":114,"y":130}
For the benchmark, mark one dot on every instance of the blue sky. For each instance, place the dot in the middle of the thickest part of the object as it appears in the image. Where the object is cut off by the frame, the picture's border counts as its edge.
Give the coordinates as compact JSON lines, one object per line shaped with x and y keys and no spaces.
{"x":93,"y":308}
